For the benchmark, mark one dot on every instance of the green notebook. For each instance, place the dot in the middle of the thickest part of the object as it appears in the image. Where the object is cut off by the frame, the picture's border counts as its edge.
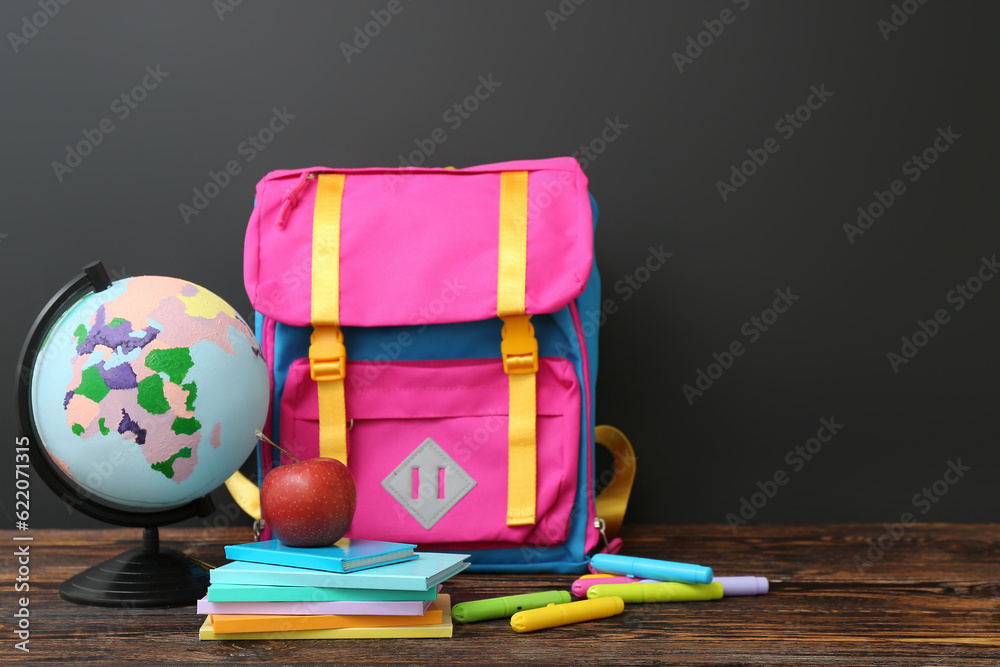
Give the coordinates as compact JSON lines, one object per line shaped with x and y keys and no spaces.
{"x":252,"y":593}
{"x":425,"y":571}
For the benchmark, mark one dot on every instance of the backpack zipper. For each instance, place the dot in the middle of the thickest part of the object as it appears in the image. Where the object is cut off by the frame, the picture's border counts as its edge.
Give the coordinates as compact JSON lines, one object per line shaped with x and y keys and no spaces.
{"x":291,"y":198}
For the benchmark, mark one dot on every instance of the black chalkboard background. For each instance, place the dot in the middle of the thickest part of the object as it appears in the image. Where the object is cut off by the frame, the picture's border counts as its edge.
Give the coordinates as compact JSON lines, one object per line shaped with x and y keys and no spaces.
{"x":739,"y":137}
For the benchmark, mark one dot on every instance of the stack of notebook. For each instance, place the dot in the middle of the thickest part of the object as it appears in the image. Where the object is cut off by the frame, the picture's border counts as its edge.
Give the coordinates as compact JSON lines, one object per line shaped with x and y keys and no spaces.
{"x":353,"y":589}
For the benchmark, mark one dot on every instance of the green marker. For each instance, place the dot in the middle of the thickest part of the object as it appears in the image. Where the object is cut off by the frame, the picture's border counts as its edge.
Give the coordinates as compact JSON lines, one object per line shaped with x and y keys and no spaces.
{"x":484,"y":610}
{"x":663,"y":591}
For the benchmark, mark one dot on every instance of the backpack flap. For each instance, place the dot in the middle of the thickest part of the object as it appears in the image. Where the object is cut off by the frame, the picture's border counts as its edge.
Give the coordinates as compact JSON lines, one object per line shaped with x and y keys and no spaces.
{"x":408,"y":236}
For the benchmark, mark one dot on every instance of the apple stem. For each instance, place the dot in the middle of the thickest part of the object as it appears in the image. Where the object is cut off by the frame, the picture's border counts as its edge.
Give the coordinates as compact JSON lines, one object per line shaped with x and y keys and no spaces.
{"x":260,"y":436}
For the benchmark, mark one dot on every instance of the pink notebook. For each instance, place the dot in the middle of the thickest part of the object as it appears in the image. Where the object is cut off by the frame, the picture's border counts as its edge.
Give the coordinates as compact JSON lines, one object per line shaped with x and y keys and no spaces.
{"x":347,"y":608}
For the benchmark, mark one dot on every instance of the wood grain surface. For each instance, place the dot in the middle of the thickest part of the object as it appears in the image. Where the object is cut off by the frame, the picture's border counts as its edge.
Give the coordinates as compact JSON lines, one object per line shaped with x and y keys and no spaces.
{"x":930,"y":596}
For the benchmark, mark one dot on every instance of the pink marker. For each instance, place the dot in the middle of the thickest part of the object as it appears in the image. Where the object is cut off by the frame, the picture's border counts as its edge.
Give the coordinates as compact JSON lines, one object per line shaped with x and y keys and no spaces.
{"x":580,"y":586}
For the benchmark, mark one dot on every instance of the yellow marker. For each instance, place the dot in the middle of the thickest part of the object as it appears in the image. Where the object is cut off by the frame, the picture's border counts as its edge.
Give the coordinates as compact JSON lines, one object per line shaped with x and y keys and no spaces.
{"x":663,"y":591}
{"x":563,"y":614}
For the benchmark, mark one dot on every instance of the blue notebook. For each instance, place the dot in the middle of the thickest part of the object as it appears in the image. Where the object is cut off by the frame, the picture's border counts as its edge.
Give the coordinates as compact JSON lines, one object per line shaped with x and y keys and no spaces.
{"x":421,"y":573}
{"x":346,"y":555}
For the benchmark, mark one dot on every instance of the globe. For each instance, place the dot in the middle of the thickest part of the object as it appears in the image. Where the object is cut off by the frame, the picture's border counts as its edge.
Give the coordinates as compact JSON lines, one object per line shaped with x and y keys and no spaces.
{"x":136,"y":399}
{"x":147,"y":393}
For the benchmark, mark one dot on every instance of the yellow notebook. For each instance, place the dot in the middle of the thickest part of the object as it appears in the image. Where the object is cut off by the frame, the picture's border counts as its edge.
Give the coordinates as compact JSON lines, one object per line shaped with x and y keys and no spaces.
{"x":234,"y":623}
{"x":442,"y":629}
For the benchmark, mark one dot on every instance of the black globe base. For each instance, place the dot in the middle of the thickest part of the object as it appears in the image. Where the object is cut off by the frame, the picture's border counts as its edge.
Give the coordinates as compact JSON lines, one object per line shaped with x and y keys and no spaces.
{"x":146,"y":577}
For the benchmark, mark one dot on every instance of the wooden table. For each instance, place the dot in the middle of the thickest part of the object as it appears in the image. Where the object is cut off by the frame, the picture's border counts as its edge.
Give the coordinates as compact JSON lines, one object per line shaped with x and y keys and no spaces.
{"x":930,"y":596}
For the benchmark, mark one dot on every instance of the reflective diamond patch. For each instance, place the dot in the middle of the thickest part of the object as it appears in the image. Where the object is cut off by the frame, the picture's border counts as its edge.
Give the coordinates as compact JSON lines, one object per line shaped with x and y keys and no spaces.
{"x":428,"y":483}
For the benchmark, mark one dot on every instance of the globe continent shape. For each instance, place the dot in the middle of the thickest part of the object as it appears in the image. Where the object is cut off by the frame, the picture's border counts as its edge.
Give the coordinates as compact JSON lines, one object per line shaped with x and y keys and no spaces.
{"x":147,"y":394}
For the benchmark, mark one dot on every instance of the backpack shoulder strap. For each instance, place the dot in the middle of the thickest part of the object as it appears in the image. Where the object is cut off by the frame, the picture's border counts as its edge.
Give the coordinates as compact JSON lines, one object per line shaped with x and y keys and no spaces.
{"x":613,"y":500}
{"x":245,"y":493}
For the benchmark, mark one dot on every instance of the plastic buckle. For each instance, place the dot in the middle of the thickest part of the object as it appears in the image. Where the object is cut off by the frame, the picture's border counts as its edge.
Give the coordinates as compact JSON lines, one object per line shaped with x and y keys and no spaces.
{"x":519,"y":347}
{"x":327,"y":354}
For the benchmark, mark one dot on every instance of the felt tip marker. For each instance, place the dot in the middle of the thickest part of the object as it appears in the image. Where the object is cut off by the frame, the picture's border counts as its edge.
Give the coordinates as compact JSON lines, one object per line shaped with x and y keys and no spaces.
{"x":581,"y":585}
{"x":661,"y":591}
{"x":563,"y":614}
{"x":485,"y":610}
{"x":731,"y":586}
{"x":649,"y":568}
{"x":742,"y":585}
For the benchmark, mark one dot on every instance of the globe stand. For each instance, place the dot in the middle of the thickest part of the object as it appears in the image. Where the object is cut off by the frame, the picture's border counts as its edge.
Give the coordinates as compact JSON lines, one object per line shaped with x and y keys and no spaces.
{"x":144,"y":577}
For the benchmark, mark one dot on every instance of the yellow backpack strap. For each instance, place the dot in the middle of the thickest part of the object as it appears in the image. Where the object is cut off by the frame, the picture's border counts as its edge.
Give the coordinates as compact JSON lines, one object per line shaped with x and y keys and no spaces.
{"x":245,"y":493}
{"x":613,"y":500}
{"x":327,"y":355}
{"x":519,"y":348}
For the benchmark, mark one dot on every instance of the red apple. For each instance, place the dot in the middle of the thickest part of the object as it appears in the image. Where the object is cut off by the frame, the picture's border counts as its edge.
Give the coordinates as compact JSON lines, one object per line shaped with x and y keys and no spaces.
{"x":309,"y":503}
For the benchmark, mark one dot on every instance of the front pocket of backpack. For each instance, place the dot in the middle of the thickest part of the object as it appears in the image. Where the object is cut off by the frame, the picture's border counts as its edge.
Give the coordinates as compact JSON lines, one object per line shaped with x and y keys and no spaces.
{"x":428,"y":449}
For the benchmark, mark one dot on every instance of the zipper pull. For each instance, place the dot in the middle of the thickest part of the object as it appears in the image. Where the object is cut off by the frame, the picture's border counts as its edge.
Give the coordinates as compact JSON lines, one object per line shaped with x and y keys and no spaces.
{"x":610,"y":547}
{"x":599,"y":524}
{"x":291,"y":198}
{"x":258,"y":528}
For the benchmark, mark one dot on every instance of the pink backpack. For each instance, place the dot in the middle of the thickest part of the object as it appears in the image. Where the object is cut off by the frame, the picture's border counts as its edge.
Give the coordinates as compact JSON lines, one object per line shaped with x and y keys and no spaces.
{"x":436,"y":329}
